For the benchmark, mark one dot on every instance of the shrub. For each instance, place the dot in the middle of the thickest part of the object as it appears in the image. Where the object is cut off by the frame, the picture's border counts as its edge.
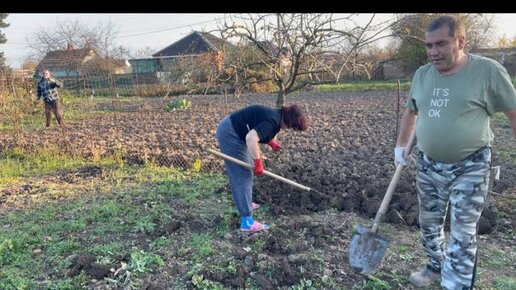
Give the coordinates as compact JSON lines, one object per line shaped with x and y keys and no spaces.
{"x":178,"y":104}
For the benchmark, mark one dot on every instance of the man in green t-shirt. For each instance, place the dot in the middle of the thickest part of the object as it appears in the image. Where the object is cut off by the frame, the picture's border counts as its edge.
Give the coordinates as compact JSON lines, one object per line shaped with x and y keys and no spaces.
{"x":450,"y":103}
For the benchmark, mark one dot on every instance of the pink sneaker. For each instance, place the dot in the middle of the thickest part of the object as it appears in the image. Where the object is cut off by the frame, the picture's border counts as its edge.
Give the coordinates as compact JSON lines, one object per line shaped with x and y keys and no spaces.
{"x":255,"y":205}
{"x":256,"y":227}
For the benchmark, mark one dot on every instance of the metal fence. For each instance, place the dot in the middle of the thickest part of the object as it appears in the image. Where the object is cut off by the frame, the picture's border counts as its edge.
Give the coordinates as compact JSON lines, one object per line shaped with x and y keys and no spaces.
{"x":131,"y":117}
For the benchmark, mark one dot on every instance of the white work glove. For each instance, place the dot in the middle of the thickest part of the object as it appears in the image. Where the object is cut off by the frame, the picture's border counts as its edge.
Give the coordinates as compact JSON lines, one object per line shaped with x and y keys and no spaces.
{"x":399,"y":156}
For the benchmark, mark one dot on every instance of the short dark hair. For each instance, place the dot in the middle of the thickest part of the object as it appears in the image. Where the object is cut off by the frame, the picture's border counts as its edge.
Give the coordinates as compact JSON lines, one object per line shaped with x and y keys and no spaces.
{"x":455,"y":25}
{"x":294,"y":117}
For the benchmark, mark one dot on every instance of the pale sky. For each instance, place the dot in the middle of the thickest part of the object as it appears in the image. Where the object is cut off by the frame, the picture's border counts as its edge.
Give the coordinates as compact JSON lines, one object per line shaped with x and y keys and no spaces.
{"x":138,"y":31}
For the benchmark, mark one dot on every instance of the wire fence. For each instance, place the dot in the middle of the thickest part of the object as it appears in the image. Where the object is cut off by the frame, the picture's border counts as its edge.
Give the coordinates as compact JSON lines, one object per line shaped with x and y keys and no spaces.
{"x":134,"y":117}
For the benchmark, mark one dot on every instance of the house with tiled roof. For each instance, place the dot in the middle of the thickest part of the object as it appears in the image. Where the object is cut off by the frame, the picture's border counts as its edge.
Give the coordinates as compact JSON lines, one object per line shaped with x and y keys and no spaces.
{"x":196,"y":44}
{"x":76,"y":62}
{"x":65,"y":63}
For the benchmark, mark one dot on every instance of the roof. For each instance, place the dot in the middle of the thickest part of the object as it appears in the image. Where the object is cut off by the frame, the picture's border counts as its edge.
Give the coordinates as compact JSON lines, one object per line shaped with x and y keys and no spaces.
{"x":269,"y":47}
{"x":107,"y":62}
{"x":194,"y":43}
{"x":394,"y":59}
{"x":58,"y":60}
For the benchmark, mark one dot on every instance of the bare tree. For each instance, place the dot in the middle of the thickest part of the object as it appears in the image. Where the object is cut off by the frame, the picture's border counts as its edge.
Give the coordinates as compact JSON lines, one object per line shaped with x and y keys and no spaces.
{"x":355,"y":43}
{"x":146,"y":52}
{"x":100,"y":37}
{"x":479,"y":29}
{"x":29,"y":63}
{"x":410,"y":29}
{"x":296,"y":48}
{"x":505,"y":42}
{"x":283,"y":42}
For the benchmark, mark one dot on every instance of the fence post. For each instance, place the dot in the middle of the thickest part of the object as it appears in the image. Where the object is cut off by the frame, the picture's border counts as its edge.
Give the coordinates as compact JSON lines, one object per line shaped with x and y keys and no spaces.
{"x":136,"y":76}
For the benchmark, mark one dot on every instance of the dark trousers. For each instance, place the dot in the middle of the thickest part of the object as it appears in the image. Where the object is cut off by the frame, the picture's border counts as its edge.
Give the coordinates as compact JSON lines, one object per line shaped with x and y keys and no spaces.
{"x":53,"y":107}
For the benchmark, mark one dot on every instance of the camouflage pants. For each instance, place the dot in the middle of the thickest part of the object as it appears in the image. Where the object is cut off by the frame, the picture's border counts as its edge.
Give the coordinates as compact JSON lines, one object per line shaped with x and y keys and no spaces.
{"x":464,"y":186}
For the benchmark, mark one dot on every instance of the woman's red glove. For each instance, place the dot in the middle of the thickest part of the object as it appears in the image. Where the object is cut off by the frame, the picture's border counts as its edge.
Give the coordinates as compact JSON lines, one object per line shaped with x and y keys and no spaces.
{"x":274,"y":145}
{"x":258,"y":166}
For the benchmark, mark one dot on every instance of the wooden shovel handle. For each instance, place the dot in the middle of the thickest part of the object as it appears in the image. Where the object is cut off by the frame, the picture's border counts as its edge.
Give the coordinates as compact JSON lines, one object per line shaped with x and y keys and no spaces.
{"x":392,"y":185}
{"x":265,"y":172}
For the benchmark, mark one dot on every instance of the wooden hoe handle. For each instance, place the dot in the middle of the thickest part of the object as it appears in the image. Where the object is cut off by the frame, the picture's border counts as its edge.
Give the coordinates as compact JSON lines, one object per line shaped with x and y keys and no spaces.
{"x":392,"y":185}
{"x":265,"y":172}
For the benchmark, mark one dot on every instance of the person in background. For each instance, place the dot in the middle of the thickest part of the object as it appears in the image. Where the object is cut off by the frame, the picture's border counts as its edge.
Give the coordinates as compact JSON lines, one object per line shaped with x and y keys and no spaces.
{"x":238,"y":136}
{"x":47,"y":89}
{"x":450,"y":104}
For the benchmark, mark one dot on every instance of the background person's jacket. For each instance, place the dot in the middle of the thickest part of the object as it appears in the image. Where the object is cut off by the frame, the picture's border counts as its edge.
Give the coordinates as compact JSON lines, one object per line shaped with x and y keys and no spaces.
{"x":47,"y":88}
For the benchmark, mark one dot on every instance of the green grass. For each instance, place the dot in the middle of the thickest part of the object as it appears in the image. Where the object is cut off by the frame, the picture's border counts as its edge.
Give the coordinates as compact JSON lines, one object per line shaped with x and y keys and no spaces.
{"x":188,"y":190}
{"x":107,"y":249}
{"x":201,"y":245}
{"x":104,"y":219}
{"x":373,"y":283}
{"x":369,"y":85}
{"x":505,"y":284}
{"x":107,"y":217}
{"x":498,"y":259}
{"x":25,"y":114}
{"x":500,"y":120}
{"x":405,"y":253}
{"x":363,"y":85}
{"x":506,"y":153}
{"x":16,"y":164}
{"x":143,"y":262}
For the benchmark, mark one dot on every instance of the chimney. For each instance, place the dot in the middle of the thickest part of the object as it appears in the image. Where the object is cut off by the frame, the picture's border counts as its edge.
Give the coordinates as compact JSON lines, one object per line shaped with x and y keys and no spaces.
{"x":69,"y":47}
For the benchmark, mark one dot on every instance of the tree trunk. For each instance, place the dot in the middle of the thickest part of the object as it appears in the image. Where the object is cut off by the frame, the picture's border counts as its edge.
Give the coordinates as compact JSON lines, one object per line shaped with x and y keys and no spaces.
{"x":280,"y":101}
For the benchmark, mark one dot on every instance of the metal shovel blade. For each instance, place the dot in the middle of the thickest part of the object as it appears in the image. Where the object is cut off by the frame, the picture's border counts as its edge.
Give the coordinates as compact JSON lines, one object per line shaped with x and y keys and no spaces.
{"x":366,"y":251}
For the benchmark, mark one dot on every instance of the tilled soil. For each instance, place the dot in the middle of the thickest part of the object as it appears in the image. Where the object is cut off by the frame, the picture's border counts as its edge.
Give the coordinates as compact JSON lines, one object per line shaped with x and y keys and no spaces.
{"x":346,"y":157}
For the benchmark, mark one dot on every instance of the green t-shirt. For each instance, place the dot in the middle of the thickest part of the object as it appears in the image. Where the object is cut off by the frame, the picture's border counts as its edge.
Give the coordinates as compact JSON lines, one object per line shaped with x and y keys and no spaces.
{"x":454,"y":110}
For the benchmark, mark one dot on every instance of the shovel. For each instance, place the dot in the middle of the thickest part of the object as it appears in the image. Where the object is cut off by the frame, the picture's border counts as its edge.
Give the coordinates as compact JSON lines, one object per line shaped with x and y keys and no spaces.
{"x":265,"y":172}
{"x":367,"y":247}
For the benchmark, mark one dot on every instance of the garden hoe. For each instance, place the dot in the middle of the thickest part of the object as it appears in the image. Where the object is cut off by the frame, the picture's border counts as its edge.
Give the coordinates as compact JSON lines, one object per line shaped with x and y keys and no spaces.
{"x":265,"y":172}
{"x":367,"y":247}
